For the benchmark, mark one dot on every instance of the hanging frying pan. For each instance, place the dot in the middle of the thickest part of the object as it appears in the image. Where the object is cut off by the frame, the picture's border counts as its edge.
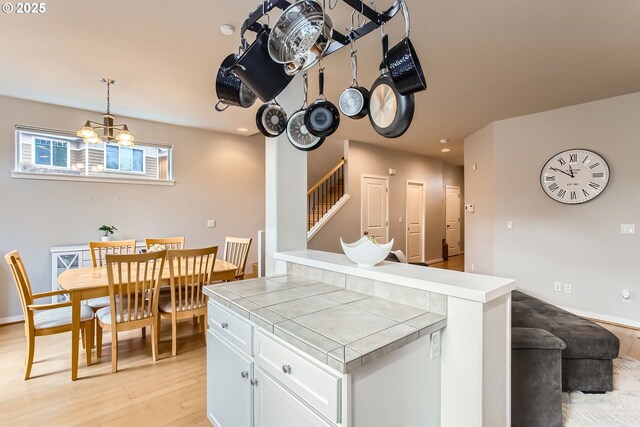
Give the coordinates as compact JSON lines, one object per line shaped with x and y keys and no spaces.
{"x":271,"y":119}
{"x":354,"y":101}
{"x":297,"y":132}
{"x":322,"y":117}
{"x":403,"y":63}
{"x":390,"y":112}
{"x":230,"y":89}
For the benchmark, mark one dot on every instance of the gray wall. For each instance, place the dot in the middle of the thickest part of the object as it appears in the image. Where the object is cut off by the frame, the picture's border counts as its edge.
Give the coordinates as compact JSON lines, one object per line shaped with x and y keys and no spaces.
{"x":218,"y":176}
{"x":370,"y":159}
{"x":323,"y":159}
{"x":550,"y":241}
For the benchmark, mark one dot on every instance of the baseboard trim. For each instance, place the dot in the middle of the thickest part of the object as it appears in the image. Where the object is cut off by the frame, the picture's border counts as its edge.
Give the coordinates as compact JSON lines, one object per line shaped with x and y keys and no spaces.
{"x":12,"y":319}
{"x":618,"y":321}
{"x":434,"y":261}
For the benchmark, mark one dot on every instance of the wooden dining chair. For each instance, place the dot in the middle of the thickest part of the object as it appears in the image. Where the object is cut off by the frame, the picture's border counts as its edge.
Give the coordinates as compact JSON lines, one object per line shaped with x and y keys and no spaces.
{"x":236,"y":251}
{"x":131,"y":279}
{"x":167,"y":242}
{"x":190,"y":270}
{"x":44,"y":319}
{"x":98,"y":251}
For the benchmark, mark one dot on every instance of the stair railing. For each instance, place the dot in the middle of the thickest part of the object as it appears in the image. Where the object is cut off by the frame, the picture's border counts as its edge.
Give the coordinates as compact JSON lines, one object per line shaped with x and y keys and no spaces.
{"x":325,"y":194}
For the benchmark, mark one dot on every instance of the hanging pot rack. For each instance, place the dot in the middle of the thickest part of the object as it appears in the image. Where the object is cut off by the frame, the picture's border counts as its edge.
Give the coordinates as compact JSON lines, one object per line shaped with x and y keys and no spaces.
{"x":375,"y":20}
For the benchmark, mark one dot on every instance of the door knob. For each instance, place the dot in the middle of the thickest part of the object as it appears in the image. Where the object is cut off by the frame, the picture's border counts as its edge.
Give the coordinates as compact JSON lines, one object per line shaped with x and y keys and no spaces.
{"x":366,"y":233}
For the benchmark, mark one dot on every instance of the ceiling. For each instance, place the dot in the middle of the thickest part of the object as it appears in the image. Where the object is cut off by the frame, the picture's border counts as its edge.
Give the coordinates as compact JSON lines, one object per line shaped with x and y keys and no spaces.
{"x":484,"y":61}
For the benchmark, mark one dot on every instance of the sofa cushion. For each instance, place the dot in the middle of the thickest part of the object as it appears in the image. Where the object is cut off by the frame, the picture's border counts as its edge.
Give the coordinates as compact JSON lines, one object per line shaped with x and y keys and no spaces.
{"x":533,"y":338}
{"x":584,"y":339}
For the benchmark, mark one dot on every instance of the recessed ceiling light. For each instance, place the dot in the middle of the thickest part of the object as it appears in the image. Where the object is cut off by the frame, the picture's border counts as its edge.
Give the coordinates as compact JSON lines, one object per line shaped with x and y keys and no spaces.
{"x":444,"y":141}
{"x":446,"y":150}
{"x":227,"y":29}
{"x":243,"y":130}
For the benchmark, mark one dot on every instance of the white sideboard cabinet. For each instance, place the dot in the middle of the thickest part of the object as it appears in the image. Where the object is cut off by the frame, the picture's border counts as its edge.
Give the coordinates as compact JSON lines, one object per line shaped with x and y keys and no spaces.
{"x":67,"y":257}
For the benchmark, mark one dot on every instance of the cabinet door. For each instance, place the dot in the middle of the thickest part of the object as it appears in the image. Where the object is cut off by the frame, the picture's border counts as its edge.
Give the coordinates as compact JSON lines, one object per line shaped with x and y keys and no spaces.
{"x":229,"y":391}
{"x":277,"y":407}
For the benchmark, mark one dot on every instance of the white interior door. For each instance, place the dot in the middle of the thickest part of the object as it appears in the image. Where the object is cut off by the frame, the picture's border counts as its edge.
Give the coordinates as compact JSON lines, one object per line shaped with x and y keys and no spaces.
{"x":453,"y":219}
{"x":415,"y":221}
{"x":375,"y":212}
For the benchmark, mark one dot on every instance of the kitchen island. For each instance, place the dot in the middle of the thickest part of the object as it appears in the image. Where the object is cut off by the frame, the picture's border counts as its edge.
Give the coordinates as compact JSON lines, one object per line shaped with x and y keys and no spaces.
{"x":325,"y":343}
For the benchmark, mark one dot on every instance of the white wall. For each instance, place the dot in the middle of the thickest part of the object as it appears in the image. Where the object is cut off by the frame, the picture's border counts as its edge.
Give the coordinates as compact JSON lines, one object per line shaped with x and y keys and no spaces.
{"x":218,"y":176}
{"x":550,"y":241}
{"x":370,"y":159}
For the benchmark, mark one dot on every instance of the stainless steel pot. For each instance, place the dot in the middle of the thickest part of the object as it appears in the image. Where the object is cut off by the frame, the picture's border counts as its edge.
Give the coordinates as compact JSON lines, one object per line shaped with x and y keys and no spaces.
{"x":300,"y":36}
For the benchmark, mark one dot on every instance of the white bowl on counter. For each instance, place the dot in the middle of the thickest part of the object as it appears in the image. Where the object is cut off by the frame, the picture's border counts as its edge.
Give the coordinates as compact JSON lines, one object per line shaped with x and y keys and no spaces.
{"x":365,"y":252}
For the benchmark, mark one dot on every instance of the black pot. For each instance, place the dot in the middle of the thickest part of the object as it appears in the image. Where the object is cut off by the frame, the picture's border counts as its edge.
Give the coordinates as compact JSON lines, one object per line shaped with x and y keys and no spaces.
{"x":322,"y":117}
{"x":230,"y":89}
{"x":403,"y":63}
{"x":265,"y":77}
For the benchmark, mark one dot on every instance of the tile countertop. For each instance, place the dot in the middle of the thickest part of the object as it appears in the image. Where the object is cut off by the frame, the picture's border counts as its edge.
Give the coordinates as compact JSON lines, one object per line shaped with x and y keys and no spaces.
{"x":341,"y":328}
{"x":470,"y":286}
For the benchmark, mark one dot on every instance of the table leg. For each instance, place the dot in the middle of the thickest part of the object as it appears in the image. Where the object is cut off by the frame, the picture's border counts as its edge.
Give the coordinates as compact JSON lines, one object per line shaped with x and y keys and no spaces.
{"x":75,"y":334}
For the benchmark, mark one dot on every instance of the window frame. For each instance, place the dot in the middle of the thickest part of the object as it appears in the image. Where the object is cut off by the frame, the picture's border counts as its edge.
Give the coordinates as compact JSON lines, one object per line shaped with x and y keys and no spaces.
{"x":28,"y":134}
{"x":144,"y":160}
{"x":51,"y":140}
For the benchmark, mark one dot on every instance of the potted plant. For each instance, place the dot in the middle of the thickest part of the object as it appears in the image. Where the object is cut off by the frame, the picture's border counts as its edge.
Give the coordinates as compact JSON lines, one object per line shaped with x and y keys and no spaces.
{"x":107,"y":230}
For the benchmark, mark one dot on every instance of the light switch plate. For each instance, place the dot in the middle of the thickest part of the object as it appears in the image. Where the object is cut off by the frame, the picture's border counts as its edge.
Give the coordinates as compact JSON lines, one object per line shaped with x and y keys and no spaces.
{"x":627,"y":228}
{"x":211,"y":223}
{"x":435,"y":345}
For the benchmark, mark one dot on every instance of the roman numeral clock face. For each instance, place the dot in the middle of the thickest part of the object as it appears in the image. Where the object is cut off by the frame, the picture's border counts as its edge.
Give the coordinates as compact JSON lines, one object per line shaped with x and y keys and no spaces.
{"x":574,"y":176}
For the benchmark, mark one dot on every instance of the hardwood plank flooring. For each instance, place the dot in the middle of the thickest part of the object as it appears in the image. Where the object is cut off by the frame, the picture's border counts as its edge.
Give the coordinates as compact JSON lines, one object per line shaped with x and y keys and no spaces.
{"x":629,"y":339}
{"x":455,"y":262}
{"x":142,"y":393}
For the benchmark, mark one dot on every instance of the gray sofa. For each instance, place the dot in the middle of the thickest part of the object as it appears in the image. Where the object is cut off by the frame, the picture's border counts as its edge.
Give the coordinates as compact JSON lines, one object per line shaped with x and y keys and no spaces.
{"x":553,"y":350}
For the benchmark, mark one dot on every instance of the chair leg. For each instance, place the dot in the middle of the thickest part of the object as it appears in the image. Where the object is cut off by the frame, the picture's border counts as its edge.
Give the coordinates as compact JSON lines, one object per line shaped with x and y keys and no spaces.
{"x":174,"y":333}
{"x":89,"y":348}
{"x":114,"y":349}
{"x":154,"y":340}
{"x":195,"y":320}
{"x":144,"y":332}
{"x":202,"y":324}
{"x":31,"y":349}
{"x":98,"y":340}
{"x":83,"y":337}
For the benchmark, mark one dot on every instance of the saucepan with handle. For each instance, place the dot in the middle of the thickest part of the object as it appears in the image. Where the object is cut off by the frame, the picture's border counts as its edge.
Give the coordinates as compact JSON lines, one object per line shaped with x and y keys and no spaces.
{"x":297,"y":132}
{"x":322,"y":118}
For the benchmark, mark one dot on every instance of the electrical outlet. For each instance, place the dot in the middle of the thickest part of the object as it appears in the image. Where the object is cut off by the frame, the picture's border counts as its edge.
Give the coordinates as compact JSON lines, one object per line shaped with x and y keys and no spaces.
{"x":567,"y":288}
{"x":509,"y":225}
{"x":557,"y":286}
{"x":627,"y":228}
{"x":473,"y":267}
{"x":435,"y":345}
{"x":400,"y":219}
{"x":211,"y":223}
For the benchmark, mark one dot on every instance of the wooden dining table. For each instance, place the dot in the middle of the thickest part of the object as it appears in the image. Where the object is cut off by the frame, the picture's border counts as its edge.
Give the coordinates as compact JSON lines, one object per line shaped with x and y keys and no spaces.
{"x":93,"y":282}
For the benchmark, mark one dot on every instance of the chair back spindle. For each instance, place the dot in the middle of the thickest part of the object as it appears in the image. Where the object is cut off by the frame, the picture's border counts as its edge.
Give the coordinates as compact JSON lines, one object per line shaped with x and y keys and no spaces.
{"x":169,"y":243}
{"x":100,"y":249}
{"x":236,"y":251}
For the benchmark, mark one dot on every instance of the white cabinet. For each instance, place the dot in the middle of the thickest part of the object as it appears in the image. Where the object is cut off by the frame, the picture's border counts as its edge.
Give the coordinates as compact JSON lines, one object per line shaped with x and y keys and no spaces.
{"x":277,"y":407}
{"x":230,"y":384}
{"x":66,"y":257}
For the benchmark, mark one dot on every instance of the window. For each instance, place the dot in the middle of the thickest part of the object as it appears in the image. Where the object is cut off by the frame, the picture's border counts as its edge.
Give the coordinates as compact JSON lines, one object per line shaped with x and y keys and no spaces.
{"x":52,"y":154}
{"x":124,"y":159}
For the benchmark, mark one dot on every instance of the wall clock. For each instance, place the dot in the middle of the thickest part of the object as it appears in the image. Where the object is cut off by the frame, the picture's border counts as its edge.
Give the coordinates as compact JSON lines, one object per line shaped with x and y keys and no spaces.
{"x":574,"y":176}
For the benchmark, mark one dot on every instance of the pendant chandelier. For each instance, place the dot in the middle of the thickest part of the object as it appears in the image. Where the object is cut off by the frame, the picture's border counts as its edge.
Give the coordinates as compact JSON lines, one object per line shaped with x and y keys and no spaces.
{"x":90,"y":136}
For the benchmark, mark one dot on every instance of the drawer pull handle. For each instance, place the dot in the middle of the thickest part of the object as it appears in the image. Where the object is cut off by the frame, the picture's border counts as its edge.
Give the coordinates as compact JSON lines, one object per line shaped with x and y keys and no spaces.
{"x":286,"y":369}
{"x":224,"y":325}
{"x":245,"y":374}
{"x":254,"y":382}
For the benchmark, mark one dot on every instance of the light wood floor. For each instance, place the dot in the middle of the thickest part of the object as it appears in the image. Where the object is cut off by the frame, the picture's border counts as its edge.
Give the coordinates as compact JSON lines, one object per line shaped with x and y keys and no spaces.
{"x":629,"y":339}
{"x":453,"y":263}
{"x":142,"y":393}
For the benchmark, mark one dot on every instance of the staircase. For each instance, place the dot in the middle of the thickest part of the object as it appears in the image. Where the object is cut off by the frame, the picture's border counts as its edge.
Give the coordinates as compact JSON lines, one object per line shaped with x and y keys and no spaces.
{"x":325,"y":198}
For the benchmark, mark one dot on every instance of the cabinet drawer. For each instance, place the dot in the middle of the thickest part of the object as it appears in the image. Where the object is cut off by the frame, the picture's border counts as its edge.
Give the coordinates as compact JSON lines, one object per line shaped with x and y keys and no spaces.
{"x":231,"y":327}
{"x":315,"y":386}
